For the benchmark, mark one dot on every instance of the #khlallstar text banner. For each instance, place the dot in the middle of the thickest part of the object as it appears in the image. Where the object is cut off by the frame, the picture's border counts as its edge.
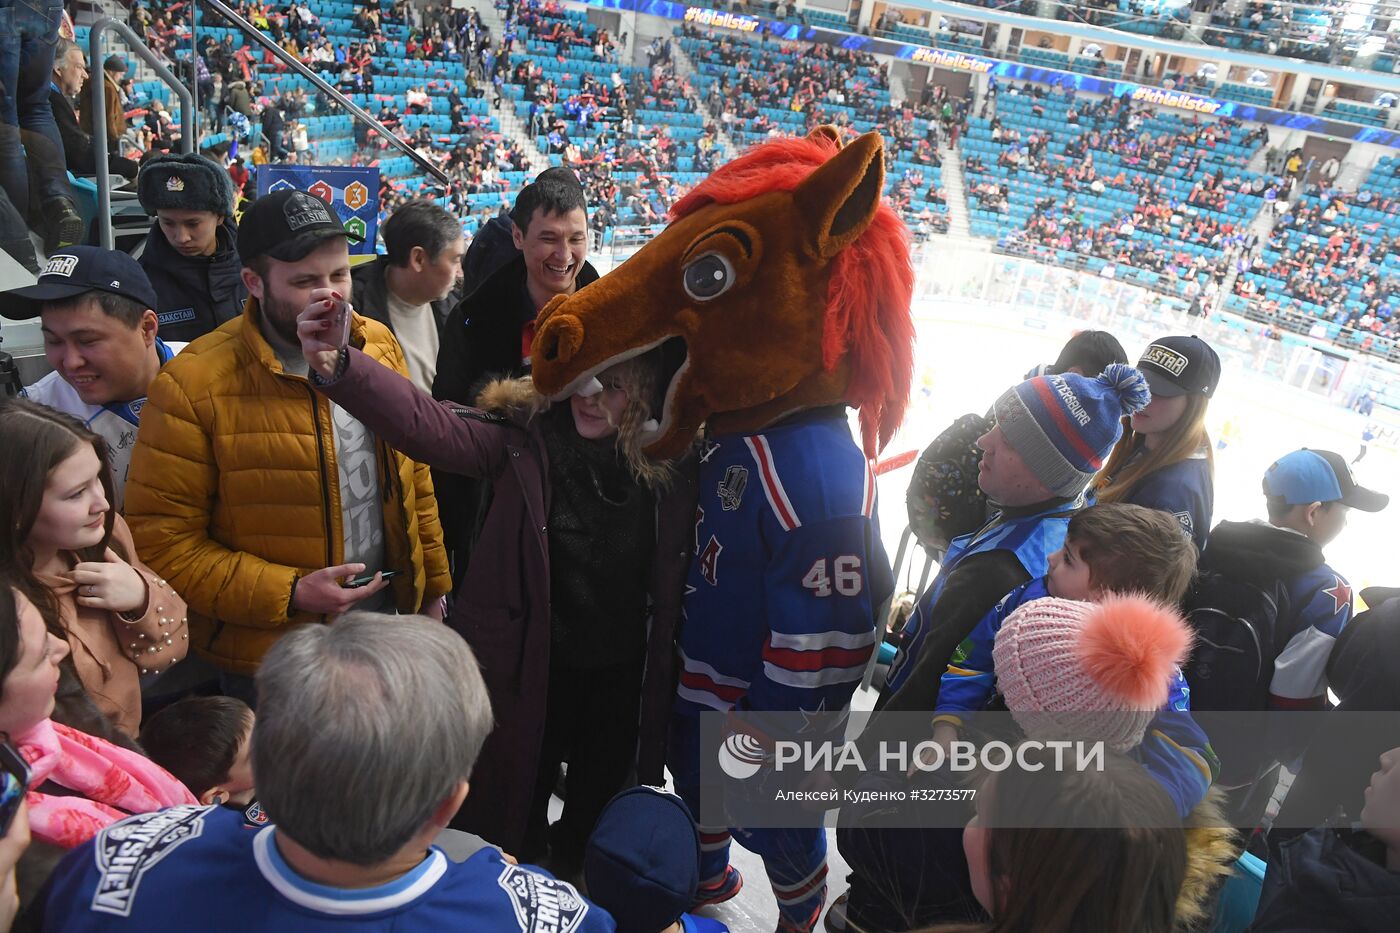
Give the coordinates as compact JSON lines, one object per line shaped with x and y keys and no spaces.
{"x":353,"y":193}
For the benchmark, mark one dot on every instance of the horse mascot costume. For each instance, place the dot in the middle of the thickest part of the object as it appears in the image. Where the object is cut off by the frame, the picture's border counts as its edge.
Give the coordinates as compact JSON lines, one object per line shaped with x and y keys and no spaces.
{"x":778,"y":296}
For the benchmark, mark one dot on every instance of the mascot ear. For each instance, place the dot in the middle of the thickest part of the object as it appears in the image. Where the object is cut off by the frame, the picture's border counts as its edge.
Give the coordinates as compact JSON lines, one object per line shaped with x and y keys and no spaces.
{"x":838,"y":201}
{"x":828,"y":132}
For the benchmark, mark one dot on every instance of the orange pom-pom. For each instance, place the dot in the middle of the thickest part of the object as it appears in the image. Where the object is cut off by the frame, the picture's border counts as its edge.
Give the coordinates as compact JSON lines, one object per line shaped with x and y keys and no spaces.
{"x":1130,"y":645}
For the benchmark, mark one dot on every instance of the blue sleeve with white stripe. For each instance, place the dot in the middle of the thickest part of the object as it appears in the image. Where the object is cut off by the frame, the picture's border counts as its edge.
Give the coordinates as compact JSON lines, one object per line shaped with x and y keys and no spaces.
{"x":1300,"y":670}
{"x":821,"y":589}
{"x":1177,"y":752}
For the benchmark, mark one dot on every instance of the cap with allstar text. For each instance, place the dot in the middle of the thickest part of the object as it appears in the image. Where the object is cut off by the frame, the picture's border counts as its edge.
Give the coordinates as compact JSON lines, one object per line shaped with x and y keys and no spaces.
{"x":286,"y":225}
{"x":1306,"y":476}
{"x":1180,"y":366}
{"x":75,"y":270}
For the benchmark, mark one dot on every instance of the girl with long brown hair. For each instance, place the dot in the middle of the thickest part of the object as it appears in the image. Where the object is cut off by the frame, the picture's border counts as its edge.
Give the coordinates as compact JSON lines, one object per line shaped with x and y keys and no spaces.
{"x":1164,"y":459}
{"x":72,"y":556}
{"x":1075,"y":851}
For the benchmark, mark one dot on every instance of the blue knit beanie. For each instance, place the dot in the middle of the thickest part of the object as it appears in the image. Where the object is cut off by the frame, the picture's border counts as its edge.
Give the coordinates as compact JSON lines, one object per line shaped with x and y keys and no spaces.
{"x":1065,"y":426}
{"x":642,"y":863}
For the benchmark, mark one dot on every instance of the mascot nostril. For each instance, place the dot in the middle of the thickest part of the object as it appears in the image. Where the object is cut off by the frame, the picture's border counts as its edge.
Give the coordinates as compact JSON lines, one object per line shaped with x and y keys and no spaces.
{"x":561,"y":338}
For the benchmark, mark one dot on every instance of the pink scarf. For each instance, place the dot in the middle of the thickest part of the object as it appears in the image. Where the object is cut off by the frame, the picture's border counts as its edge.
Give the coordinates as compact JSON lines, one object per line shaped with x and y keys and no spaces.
{"x":110,"y":782}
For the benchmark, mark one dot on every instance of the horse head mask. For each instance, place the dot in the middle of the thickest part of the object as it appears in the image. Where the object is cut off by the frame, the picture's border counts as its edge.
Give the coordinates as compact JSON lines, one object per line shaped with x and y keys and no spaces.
{"x":781,"y":283}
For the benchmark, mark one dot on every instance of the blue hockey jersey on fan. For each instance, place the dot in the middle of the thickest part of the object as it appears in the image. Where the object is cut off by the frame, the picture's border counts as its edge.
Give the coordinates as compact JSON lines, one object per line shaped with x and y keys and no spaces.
{"x":1032,"y":538}
{"x":1174,"y":750}
{"x":200,"y":868}
{"x":1185,"y":490}
{"x":788,"y":570}
{"x":1320,"y":604}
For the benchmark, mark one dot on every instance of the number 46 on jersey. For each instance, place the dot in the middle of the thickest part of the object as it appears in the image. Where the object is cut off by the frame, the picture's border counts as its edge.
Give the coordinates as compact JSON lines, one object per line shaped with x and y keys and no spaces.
{"x":844,"y":578}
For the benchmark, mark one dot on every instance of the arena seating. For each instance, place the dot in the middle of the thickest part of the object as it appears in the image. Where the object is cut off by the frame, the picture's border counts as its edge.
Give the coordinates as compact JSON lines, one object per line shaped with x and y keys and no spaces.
{"x":865,"y":86}
{"x":1147,"y":178}
{"x":1334,"y":262}
{"x":1166,"y":204}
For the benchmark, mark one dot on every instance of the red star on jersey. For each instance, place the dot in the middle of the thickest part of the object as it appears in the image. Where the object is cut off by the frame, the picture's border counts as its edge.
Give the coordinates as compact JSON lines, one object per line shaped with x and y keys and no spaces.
{"x":1341,"y":595}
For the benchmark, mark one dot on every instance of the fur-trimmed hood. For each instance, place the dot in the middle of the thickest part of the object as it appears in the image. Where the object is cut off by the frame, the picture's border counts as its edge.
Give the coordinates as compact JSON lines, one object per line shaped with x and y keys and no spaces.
{"x":1212,"y":846}
{"x":514,"y":399}
{"x":517,"y":401}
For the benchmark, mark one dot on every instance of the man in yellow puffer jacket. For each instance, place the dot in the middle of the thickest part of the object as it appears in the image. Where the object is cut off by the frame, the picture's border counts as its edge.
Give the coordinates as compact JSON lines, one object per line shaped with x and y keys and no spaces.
{"x":252,"y":494}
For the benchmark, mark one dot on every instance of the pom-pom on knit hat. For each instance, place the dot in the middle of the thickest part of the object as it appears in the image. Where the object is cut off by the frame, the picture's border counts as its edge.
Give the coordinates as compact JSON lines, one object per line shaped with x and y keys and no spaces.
{"x":1089,"y":671}
{"x":1065,"y":426}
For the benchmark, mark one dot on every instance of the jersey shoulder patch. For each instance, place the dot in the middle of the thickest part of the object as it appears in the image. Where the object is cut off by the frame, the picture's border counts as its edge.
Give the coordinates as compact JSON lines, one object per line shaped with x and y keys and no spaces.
{"x":542,"y":903}
{"x":126,"y":851}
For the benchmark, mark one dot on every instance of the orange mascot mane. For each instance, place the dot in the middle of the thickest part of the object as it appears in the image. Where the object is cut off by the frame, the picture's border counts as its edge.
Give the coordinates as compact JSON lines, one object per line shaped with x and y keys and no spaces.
{"x":812,"y":285}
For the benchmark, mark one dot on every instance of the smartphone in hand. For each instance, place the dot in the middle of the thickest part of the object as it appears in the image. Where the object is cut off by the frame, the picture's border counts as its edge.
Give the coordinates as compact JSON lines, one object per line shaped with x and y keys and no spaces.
{"x":340,"y":323}
{"x":14,"y":783}
{"x":368,"y":578}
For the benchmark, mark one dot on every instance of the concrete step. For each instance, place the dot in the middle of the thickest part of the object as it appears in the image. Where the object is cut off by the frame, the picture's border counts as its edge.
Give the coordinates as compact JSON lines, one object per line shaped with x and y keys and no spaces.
{"x":685,"y":69}
{"x":955,"y":189}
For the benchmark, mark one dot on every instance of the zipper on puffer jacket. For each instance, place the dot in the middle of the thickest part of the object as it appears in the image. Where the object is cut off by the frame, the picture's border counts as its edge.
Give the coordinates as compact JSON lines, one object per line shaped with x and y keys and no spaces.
{"x":325,"y":482}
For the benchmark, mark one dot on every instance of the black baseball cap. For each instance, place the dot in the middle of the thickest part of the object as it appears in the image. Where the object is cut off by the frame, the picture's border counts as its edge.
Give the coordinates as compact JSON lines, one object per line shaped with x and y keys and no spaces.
{"x":1180,"y":366}
{"x":1306,"y":476}
{"x":76,"y":270}
{"x":287,"y":225}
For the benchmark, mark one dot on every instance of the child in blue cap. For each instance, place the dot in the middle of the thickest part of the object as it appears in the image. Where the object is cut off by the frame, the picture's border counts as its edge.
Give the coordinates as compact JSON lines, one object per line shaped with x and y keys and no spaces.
{"x":642,"y":864}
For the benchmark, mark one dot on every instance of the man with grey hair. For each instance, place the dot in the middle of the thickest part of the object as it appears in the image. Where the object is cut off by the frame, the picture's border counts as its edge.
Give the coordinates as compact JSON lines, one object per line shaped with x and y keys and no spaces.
{"x":366,"y":736}
{"x":70,"y":74}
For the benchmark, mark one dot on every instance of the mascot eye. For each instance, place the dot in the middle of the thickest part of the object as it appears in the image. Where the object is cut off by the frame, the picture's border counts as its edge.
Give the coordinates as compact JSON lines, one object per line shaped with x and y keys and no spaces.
{"x":708,"y":277}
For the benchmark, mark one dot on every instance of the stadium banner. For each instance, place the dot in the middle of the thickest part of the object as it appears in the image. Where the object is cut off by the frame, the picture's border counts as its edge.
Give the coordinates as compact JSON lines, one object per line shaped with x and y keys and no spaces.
{"x":353,"y":193}
{"x":956,"y":60}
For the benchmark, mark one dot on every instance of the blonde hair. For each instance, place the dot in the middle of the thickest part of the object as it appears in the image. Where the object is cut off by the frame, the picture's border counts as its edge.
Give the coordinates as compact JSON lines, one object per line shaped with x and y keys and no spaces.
{"x":637,"y":378}
{"x":1118,"y":476}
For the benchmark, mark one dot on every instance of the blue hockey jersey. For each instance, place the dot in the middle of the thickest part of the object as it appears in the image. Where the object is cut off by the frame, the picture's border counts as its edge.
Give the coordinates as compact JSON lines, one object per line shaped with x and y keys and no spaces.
{"x":1032,"y":538}
{"x":1174,"y":750}
{"x":201,"y":868}
{"x":1184,"y":489}
{"x":1320,"y":600}
{"x":788,"y":572}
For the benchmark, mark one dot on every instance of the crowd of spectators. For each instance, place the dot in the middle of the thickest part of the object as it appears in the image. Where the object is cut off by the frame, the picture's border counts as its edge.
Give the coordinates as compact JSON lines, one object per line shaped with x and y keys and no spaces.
{"x":235,"y":493}
{"x":1125,"y":187}
{"x":1318,"y":254}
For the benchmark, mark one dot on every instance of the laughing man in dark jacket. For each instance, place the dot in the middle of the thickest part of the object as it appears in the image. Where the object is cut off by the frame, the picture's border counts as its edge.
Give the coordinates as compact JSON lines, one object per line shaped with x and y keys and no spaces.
{"x":489,"y":333}
{"x":189,"y":255}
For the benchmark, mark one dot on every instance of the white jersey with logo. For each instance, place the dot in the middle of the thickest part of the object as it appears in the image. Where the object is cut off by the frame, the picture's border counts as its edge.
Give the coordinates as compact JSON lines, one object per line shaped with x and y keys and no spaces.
{"x":116,"y":423}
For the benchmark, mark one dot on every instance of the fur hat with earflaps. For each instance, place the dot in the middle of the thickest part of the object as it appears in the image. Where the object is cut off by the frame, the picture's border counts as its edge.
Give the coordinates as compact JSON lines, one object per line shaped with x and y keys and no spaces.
{"x":185,"y":182}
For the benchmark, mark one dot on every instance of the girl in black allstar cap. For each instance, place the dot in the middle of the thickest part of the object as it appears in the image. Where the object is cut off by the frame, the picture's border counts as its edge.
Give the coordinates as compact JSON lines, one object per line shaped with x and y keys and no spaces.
{"x":1164,"y":459}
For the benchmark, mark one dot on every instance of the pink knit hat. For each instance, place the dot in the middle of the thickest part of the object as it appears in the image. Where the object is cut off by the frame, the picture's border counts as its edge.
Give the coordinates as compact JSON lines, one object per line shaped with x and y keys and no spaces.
{"x":1089,"y":671}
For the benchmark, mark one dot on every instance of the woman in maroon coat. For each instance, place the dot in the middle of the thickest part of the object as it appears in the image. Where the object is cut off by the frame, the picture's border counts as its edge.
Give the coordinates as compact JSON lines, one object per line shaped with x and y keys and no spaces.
{"x":572,"y":596}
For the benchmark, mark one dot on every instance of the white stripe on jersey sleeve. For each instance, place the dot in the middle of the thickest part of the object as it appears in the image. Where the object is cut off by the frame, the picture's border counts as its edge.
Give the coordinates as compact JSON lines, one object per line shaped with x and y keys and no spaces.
{"x":1300,"y":672}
